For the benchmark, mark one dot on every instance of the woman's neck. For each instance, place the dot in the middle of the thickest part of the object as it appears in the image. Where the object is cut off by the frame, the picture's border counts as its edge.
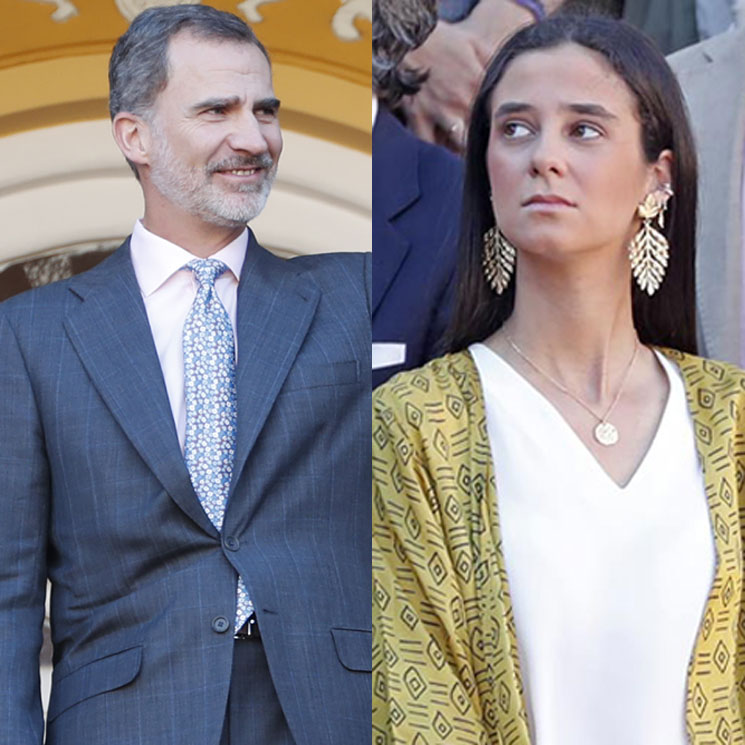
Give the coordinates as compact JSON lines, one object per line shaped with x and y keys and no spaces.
{"x":573,"y":323}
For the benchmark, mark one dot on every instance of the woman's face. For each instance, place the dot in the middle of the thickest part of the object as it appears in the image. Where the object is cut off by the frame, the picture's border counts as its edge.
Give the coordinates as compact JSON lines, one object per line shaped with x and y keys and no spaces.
{"x":565,"y":160}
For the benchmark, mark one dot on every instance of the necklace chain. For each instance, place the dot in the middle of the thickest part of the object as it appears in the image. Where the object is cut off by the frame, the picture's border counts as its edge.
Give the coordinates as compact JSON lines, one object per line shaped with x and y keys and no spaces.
{"x":605,"y":432}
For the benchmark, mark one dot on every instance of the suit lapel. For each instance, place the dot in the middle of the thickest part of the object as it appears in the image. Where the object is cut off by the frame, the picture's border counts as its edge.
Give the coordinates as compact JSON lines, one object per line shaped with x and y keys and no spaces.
{"x":275,"y":308}
{"x":396,"y":187}
{"x":111,"y":334}
{"x":386,"y":261}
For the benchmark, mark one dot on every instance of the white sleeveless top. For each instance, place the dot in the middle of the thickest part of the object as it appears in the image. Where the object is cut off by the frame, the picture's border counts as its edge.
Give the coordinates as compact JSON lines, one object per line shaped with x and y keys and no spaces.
{"x":608,"y":584}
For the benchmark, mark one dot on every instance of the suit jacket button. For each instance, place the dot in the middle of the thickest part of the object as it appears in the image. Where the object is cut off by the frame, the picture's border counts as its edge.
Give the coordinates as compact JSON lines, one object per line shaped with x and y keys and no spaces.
{"x":232,"y":543}
{"x":220,"y":624}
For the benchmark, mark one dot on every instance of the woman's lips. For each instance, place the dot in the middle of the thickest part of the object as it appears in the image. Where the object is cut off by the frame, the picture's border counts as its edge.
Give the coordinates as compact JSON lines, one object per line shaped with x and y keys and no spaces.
{"x":547,"y":202}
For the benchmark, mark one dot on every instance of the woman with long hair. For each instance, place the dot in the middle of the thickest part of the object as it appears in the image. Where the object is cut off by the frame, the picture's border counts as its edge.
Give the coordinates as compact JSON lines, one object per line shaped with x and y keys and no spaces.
{"x":558,"y":506}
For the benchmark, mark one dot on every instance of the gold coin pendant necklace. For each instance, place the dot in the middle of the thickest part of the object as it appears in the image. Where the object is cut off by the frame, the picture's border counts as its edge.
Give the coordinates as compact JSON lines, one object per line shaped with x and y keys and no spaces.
{"x":605,"y":432}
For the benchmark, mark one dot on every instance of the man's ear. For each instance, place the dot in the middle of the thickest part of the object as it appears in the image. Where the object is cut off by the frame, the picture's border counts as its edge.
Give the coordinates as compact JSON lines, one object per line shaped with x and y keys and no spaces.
{"x":132,"y":135}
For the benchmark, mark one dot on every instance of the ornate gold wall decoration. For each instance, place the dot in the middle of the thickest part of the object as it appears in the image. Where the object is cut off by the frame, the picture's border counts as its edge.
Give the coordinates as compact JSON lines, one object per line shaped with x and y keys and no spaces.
{"x":250,"y":9}
{"x":56,"y":72}
{"x":131,"y":8}
{"x":64,"y":11}
{"x":343,"y":21}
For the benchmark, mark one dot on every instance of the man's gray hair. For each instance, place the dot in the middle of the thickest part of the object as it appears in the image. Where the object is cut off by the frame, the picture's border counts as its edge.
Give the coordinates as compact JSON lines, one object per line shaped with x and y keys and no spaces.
{"x":398,"y":27}
{"x":138,"y":69}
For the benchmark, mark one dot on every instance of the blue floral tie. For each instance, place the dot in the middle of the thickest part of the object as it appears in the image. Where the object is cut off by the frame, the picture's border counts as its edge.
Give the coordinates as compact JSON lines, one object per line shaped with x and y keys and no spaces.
{"x":211,"y":411}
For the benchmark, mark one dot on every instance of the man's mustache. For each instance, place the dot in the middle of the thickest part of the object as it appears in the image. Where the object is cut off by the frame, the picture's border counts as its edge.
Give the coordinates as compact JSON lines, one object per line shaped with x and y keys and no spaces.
{"x":242,"y":163}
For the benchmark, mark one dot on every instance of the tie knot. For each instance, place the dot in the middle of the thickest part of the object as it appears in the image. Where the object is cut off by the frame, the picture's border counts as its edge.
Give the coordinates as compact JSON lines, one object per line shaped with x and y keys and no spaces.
{"x":207,"y":270}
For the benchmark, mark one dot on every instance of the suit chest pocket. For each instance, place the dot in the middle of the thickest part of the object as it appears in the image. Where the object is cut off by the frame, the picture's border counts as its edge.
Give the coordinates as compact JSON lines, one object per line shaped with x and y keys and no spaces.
{"x":318,"y":375}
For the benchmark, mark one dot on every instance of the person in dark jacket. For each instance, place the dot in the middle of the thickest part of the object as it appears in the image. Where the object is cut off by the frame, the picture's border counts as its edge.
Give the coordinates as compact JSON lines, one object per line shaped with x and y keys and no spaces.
{"x":416,"y":204}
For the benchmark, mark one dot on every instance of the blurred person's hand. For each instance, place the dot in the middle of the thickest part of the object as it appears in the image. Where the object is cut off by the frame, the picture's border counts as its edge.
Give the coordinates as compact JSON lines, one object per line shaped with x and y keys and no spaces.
{"x":456,"y":54}
{"x":455,"y":58}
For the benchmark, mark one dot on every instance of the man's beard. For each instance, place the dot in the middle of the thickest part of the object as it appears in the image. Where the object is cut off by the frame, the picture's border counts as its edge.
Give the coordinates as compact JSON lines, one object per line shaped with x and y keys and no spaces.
{"x":194,"y":190}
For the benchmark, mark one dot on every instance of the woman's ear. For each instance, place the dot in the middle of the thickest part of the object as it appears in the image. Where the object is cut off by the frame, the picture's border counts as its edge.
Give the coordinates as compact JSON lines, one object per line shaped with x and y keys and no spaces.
{"x":661,"y":174}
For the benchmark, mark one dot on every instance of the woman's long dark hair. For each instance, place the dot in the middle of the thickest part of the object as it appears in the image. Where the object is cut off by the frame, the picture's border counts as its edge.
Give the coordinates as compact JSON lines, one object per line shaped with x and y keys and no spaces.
{"x":667,"y":318}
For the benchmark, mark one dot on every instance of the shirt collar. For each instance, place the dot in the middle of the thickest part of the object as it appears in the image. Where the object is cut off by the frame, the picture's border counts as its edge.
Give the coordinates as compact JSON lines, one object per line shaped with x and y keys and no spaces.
{"x":155,"y":259}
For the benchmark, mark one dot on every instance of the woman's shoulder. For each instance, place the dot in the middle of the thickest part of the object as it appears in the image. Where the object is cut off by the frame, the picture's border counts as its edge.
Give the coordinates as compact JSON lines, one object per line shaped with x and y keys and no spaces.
{"x":440,"y":399}
{"x":703,"y":372}
{"x":453,"y":375}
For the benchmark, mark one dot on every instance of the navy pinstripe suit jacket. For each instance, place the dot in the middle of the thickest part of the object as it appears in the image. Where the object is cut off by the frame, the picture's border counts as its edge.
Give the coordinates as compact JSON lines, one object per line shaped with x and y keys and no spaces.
{"x":95,"y":495}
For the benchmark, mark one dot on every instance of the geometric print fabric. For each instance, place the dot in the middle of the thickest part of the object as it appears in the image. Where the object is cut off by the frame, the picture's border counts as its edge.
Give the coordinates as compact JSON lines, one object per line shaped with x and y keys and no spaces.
{"x":211,"y":408}
{"x":445,"y":653}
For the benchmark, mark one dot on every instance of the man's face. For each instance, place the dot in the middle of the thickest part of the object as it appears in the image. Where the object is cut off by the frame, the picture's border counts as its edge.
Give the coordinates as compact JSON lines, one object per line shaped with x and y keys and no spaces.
{"x":215,"y":137}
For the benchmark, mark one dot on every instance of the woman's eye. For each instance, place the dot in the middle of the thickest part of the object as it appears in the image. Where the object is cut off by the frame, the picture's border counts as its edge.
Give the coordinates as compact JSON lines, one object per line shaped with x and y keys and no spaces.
{"x":515,"y":130}
{"x":586,"y":132}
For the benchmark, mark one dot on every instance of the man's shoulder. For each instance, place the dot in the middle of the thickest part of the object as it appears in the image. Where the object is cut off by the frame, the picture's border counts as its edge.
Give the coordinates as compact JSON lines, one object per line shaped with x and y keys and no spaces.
{"x":340,"y":261}
{"x":52,"y":300}
{"x":47,"y":300}
{"x":335,"y":272}
{"x":395,"y":138}
{"x":716,"y":50}
{"x":439,"y":160}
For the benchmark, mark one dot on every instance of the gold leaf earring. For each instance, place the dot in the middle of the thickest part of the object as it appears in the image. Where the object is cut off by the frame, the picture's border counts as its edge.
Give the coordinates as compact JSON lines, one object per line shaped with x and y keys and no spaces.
{"x":649,"y":250}
{"x":498,"y":260}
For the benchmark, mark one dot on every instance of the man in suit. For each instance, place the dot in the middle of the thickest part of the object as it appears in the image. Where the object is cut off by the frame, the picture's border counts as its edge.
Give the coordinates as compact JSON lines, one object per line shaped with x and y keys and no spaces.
{"x":710,"y":74}
{"x":416,"y":205}
{"x":204,"y":519}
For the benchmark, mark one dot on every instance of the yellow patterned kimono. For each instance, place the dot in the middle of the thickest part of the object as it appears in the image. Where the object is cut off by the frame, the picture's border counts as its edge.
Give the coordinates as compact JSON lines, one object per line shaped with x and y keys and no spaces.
{"x":445,"y":661}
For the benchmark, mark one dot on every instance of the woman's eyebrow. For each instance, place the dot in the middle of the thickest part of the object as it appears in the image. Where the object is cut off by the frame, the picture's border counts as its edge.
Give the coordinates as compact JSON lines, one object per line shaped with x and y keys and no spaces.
{"x":513,"y":107}
{"x":589,"y":109}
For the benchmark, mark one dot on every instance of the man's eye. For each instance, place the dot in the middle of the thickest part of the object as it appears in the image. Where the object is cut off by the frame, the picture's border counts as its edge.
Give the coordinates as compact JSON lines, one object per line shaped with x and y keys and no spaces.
{"x":586,"y":132}
{"x":267,"y":112}
{"x":219,"y":110}
{"x":515,"y":130}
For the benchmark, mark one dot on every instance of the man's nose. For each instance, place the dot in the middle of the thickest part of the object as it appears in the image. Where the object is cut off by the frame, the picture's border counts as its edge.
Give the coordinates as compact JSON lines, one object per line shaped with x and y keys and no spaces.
{"x":247,"y":135}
